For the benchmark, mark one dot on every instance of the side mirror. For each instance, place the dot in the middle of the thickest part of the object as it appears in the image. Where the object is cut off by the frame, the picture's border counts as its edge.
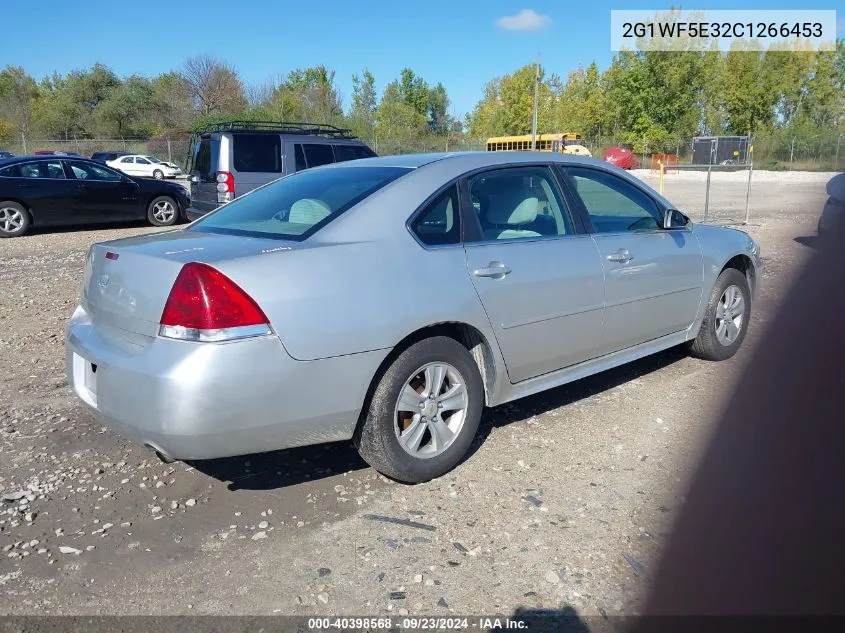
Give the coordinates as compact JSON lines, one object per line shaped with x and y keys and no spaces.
{"x":674,"y":219}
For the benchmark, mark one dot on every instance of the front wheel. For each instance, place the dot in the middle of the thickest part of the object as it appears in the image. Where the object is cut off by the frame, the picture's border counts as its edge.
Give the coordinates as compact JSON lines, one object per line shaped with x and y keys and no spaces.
{"x":424,"y":413}
{"x":158,"y":174}
{"x":163,"y":211}
{"x":726,"y":318}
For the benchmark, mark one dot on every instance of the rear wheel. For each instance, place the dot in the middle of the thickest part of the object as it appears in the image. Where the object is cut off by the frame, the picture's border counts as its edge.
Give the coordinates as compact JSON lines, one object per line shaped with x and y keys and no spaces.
{"x":163,"y":211}
{"x":726,"y":318}
{"x":158,"y":174}
{"x":14,"y":219}
{"x":424,"y":412}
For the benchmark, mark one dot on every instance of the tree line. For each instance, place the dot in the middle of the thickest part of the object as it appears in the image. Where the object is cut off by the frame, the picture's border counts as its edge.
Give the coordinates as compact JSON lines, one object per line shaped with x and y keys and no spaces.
{"x":96,"y":103}
{"x":655,"y":100}
{"x":652,"y":100}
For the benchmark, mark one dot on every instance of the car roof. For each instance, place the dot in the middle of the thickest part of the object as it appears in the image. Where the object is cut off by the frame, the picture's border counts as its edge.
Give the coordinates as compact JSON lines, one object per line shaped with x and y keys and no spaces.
{"x":41,"y":157}
{"x":466,"y":161}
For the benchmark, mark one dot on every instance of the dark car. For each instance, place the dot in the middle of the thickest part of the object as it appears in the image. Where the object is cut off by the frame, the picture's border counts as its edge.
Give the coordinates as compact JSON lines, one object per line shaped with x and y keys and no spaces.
{"x":5,"y":153}
{"x":53,"y":152}
{"x":104,"y":157}
{"x":64,"y":190}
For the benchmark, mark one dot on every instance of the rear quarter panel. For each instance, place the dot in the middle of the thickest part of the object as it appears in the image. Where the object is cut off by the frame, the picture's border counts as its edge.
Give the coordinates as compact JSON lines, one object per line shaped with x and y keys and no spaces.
{"x":362,"y":282}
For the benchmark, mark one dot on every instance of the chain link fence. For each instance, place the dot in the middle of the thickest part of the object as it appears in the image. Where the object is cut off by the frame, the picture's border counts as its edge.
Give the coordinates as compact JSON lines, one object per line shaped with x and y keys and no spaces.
{"x":782,"y":152}
{"x":173,"y":148}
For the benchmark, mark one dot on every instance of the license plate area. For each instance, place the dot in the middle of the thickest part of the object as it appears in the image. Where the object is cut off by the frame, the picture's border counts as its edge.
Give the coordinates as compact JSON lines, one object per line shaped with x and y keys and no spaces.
{"x":85,"y":379}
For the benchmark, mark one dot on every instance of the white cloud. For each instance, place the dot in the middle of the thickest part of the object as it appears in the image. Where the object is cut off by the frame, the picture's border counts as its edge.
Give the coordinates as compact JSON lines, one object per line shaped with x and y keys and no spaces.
{"x":525,"y":20}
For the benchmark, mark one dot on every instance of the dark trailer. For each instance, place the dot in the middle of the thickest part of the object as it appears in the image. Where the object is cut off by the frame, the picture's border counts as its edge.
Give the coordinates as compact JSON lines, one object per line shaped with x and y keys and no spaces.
{"x":720,"y":150}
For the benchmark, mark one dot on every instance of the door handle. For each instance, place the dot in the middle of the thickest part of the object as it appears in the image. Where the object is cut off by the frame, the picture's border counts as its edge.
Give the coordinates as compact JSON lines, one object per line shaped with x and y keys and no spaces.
{"x":622,"y":256}
{"x":495,"y":270}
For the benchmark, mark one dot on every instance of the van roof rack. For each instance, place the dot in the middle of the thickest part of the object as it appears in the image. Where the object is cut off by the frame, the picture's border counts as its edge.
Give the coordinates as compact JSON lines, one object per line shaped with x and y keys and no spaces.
{"x":285,"y":127}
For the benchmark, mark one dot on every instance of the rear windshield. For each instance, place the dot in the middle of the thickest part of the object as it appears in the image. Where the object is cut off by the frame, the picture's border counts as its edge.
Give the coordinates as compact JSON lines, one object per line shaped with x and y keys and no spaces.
{"x":352,"y":152}
{"x":206,"y":154}
{"x":298,"y":205}
{"x":257,"y":153}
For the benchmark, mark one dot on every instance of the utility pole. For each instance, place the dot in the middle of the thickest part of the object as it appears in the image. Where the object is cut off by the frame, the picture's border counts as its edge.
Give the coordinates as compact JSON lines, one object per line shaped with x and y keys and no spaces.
{"x":534,"y":117}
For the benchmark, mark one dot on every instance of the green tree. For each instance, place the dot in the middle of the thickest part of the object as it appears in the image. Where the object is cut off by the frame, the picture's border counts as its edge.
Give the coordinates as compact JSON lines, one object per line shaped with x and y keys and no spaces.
{"x":125,"y":111}
{"x":396,"y":119}
{"x":18,"y":100}
{"x":171,"y":110}
{"x":59,"y":112}
{"x":362,"y":116}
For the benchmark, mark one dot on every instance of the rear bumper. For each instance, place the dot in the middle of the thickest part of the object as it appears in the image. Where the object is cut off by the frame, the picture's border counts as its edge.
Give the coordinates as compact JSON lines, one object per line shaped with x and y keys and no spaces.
{"x":208,"y":400}
{"x":192,"y":213}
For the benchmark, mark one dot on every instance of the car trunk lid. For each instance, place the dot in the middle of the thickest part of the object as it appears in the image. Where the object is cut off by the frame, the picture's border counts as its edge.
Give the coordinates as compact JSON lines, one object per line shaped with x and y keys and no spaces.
{"x":127,"y":282}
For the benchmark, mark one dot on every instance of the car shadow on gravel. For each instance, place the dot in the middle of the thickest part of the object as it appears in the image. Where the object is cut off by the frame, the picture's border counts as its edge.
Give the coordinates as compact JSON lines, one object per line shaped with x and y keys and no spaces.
{"x":280,"y":469}
{"x":811,"y":241}
{"x":571,"y":393}
{"x":565,"y":620}
{"x":290,"y":467}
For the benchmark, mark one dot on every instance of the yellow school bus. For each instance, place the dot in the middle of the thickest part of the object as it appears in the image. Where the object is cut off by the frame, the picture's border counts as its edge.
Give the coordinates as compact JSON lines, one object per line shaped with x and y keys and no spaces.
{"x":562,"y":142}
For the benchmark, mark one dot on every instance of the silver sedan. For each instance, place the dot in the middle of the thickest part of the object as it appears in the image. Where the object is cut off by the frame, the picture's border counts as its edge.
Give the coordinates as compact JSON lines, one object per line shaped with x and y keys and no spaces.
{"x":389,"y":300}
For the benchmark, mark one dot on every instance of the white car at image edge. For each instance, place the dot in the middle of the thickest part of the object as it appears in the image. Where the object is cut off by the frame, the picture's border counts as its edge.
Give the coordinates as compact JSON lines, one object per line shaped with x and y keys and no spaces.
{"x":145,"y":166}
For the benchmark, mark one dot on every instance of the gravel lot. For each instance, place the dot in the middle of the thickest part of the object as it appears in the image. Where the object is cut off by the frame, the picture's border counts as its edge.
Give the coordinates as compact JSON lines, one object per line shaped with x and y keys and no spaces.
{"x":566,"y":500}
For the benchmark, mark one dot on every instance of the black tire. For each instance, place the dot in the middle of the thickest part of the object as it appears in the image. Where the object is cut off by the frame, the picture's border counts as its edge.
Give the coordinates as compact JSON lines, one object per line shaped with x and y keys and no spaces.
{"x":158,"y":174}
{"x":14,"y":212}
{"x":707,"y":345}
{"x":377,"y":440}
{"x":151,"y":212}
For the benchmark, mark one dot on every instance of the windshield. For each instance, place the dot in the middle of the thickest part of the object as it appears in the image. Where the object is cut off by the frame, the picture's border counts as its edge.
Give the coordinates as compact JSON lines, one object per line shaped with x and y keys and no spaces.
{"x":152,"y":159}
{"x":296,"y":206}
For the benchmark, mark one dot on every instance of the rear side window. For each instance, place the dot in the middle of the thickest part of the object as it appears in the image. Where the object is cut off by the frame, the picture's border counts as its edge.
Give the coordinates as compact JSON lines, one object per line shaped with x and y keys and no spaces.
{"x":439,"y":222}
{"x":300,"y":157}
{"x":257,"y":153}
{"x":317,"y":154}
{"x":206,"y":155}
{"x":352,"y":152}
{"x":296,"y":206}
{"x":51,"y":169}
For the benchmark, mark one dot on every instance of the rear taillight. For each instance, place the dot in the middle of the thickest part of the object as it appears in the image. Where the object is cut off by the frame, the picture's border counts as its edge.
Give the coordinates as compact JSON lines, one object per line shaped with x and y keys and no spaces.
{"x":205,"y":305}
{"x":225,"y":186}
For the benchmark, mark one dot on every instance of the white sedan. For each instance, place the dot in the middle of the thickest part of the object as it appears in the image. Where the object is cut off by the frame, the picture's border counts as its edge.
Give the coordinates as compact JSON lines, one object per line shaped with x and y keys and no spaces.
{"x":148,"y":166}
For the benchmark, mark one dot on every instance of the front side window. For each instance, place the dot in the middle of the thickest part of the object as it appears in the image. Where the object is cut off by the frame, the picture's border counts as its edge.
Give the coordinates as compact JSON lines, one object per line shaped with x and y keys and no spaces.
{"x":298,"y":205}
{"x":257,"y":153}
{"x":439,"y":222}
{"x":614,"y":205}
{"x":520,"y":202}
{"x":87,"y":171}
{"x":317,"y":154}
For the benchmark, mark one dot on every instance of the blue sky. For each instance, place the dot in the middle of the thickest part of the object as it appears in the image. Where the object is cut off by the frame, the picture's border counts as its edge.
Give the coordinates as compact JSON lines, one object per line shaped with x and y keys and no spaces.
{"x":463,"y":44}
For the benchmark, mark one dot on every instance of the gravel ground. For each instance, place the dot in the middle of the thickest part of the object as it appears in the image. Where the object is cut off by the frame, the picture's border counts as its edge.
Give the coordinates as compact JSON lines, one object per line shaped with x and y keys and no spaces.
{"x":566,"y":500}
